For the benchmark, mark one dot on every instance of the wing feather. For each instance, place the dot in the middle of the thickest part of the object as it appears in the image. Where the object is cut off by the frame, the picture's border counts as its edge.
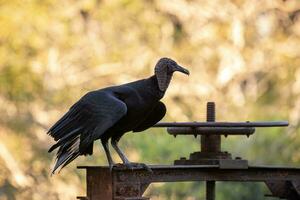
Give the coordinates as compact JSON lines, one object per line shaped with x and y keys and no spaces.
{"x":85,"y":122}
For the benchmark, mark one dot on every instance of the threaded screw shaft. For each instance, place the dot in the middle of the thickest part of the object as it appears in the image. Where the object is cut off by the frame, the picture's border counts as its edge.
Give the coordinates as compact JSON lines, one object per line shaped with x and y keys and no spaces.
{"x":210,"y":112}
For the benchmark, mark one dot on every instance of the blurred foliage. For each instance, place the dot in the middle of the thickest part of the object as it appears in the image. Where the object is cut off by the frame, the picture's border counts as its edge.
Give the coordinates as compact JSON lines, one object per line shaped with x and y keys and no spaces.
{"x":244,"y":55}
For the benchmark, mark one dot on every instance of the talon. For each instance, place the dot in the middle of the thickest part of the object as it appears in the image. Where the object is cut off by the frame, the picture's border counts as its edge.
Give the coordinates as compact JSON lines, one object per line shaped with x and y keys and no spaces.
{"x":131,"y":166}
{"x":146,"y":167}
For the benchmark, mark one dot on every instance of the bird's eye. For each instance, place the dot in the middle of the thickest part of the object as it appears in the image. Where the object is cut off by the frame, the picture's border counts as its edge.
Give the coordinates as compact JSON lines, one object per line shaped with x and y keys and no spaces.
{"x":173,"y":64}
{"x":170,"y":68}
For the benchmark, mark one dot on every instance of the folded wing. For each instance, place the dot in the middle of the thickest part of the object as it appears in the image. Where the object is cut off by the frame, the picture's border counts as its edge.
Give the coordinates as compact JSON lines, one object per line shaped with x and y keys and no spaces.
{"x":85,"y":122}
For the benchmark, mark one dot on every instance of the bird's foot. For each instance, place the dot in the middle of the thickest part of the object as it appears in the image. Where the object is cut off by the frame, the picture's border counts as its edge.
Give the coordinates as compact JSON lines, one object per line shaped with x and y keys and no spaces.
{"x":132,"y":166}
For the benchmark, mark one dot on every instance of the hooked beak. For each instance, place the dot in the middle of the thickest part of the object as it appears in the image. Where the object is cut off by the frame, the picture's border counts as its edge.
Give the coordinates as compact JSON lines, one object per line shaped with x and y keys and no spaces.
{"x":181,"y":69}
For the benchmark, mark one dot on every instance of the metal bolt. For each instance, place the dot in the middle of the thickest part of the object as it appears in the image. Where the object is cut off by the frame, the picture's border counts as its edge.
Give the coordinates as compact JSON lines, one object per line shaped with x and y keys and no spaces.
{"x":211,"y":112}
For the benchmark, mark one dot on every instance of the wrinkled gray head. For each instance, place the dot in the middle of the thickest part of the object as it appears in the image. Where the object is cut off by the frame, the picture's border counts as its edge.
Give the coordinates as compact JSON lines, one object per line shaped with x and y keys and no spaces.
{"x":164,"y":70}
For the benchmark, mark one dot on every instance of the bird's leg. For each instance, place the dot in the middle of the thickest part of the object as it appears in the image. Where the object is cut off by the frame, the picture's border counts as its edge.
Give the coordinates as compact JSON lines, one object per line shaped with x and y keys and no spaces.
{"x":126,"y":162}
{"x":114,"y":144}
{"x":107,"y":152}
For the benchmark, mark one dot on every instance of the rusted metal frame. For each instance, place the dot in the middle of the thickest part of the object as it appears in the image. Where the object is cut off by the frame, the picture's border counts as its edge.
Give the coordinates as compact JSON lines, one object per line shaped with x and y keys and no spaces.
{"x":284,"y":189}
{"x":102,"y":184}
{"x":210,"y":175}
{"x":222,"y":124}
{"x":187,"y":173}
{"x":166,"y":173}
{"x":122,"y":184}
{"x":210,"y":190}
{"x":211,"y":130}
{"x":99,"y":183}
{"x":124,"y":189}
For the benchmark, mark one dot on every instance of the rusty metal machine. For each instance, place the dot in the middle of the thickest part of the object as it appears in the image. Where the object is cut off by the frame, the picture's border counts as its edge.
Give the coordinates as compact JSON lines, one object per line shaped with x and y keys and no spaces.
{"x":210,"y":164}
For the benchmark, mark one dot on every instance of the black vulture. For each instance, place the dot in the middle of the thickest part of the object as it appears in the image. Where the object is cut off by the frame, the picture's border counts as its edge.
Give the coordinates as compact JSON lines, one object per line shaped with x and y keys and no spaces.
{"x":109,"y":113}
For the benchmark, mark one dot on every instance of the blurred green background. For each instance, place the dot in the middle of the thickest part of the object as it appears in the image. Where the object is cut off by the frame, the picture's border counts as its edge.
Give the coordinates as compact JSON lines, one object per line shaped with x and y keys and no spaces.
{"x":242,"y":54}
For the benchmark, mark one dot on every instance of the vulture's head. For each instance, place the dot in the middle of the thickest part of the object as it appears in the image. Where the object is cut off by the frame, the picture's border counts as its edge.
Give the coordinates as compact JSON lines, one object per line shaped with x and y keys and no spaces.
{"x":164,"y":70}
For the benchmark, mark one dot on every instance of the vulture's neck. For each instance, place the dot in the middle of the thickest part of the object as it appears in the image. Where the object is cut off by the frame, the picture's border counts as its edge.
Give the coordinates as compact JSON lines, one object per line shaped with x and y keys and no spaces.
{"x":159,"y":92}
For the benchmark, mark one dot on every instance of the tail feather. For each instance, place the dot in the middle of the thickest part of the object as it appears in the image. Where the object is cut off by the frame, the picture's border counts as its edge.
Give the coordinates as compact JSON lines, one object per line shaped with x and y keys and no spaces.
{"x":74,"y":134}
{"x":67,"y":153}
{"x":65,"y":138}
